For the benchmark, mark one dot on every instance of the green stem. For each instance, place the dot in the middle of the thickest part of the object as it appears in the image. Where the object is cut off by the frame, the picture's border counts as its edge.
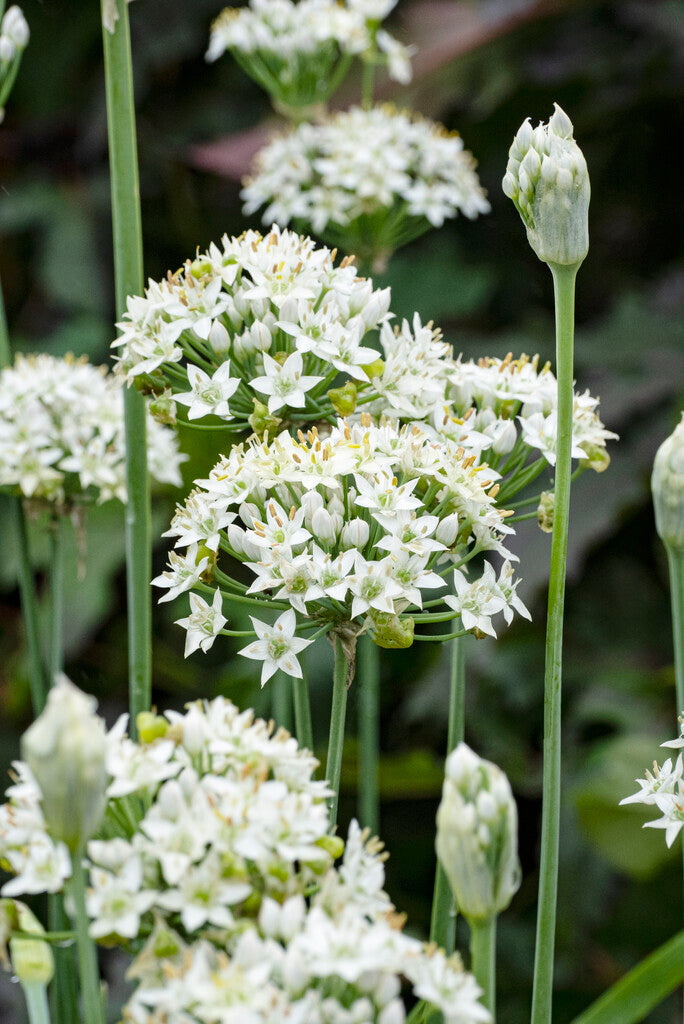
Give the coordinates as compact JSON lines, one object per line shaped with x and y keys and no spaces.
{"x":302,"y":713}
{"x":443,"y":917}
{"x":89,"y":975}
{"x":542,"y":995}
{"x":35,"y":994}
{"x":675,"y":560}
{"x":281,"y":701}
{"x":483,"y":959}
{"x":333,"y":767}
{"x":368,"y":676}
{"x":128,"y":276}
{"x":55,"y":653}
{"x":63,"y":988}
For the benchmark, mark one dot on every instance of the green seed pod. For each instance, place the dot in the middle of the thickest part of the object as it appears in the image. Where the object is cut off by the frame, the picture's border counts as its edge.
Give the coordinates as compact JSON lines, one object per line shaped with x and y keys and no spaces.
{"x":391,"y":632}
{"x":343,"y":399}
{"x":32,"y":959}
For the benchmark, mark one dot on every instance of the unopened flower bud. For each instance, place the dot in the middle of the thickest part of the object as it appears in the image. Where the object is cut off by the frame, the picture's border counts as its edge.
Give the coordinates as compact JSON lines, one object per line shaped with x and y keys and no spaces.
{"x":262,"y":338}
{"x":311,"y":501}
{"x":545,"y":511}
{"x":219,"y":338}
{"x":447,"y":531}
{"x":667,"y":485}
{"x":32,"y":959}
{"x":390,"y":631}
{"x":354,"y":534}
{"x":15,"y":27}
{"x":504,"y":435}
{"x":477,"y":835}
{"x":323,"y":527}
{"x":65,"y":750}
{"x":343,"y":400}
{"x":7,"y":50}
{"x":548,"y":181}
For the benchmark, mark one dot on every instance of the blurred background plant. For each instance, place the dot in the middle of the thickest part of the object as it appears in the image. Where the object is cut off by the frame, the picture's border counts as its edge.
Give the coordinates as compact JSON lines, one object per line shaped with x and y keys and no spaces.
{"x":482,"y":66}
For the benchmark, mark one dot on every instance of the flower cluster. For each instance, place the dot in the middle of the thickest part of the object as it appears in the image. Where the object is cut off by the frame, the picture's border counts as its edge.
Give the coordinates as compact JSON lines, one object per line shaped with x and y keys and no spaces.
{"x":214,"y":865}
{"x":369,"y":180}
{"x":663,"y":788}
{"x":258,"y":327}
{"x":62,"y":432}
{"x":346,"y":531}
{"x":300,"y":52}
{"x":14,"y":37}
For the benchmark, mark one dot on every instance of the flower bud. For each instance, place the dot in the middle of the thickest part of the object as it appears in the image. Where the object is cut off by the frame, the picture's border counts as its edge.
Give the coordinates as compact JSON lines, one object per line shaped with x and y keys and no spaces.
{"x":354,"y":534}
{"x":545,"y":511}
{"x":261,"y":421}
{"x":548,"y":181}
{"x":32,"y":959}
{"x":447,"y":531}
{"x":219,"y":338}
{"x":477,"y":835}
{"x":262,"y":338}
{"x":65,"y":750}
{"x":15,"y":27}
{"x":163,"y":408}
{"x":667,"y":485}
{"x":504,"y":435}
{"x":323,"y":527}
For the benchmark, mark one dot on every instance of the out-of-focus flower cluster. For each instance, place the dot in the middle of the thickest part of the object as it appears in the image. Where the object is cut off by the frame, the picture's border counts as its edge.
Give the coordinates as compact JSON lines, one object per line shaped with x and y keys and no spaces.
{"x":257,"y":327}
{"x":14,"y":37}
{"x":366,"y":180}
{"x":62,"y":433}
{"x":300,"y":52}
{"x":663,"y":789}
{"x":214,"y":865}
{"x":345,"y":530}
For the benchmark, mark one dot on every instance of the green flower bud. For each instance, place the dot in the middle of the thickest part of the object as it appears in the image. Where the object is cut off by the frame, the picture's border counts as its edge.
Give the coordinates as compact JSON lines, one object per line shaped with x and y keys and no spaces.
{"x":545,"y":511}
{"x":343,"y":399}
{"x":65,"y":750}
{"x":32,"y":959}
{"x":150,"y":727}
{"x":667,"y":485}
{"x":477,"y":835}
{"x":261,"y":421}
{"x":391,"y":632}
{"x":547,"y":179}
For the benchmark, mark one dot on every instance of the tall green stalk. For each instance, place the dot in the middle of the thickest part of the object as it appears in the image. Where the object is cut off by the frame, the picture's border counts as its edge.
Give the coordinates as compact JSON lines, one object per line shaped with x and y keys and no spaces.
{"x":88,"y":970}
{"x":302,"y":713}
{"x":128,"y":276}
{"x":675,"y":559}
{"x":35,"y":994}
{"x":542,"y":996}
{"x":281,"y":701}
{"x":56,"y":649}
{"x":338,"y":711}
{"x":368,"y":680}
{"x":443,"y":916}
{"x":483,"y":959}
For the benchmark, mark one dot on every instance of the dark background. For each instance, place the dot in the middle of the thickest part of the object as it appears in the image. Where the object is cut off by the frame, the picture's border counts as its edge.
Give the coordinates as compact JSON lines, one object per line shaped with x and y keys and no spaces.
{"x":617,"y":69}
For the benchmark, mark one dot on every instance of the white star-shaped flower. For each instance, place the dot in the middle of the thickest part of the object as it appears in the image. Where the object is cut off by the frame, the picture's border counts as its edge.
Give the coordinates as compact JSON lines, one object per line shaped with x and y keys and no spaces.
{"x":284,"y":384}
{"x":277,"y":646}
{"x":209,"y":395}
{"x":203,"y":624}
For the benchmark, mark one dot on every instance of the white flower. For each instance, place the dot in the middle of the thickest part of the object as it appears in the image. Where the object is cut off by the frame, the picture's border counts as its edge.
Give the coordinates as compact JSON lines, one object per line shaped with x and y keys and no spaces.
{"x":476,"y":602}
{"x":284,"y":383}
{"x":672,"y":807}
{"x":209,"y":395}
{"x":110,"y":15}
{"x":204,"y":623}
{"x":277,"y":646}
{"x":183,"y":572}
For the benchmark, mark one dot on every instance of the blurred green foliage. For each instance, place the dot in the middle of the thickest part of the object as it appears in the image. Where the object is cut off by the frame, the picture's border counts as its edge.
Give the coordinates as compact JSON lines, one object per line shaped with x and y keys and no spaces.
{"x":617,"y":68}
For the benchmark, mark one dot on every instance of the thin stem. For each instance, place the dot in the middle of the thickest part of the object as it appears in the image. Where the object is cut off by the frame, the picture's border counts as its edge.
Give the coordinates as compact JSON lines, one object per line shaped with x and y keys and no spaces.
{"x":281,"y":701}
{"x":128,"y":276}
{"x":63,"y":988}
{"x":675,"y":560}
{"x":338,"y":710}
{"x":35,"y":994}
{"x":368,"y":677}
{"x":302,"y":713}
{"x":87,"y":953}
{"x":542,"y":995}
{"x":55,"y":653}
{"x":483,"y":959}
{"x":443,"y":917}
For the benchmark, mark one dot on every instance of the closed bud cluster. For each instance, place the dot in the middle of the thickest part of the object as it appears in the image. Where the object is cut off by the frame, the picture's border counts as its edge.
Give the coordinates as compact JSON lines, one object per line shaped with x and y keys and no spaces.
{"x":547,"y":179}
{"x":477,"y":835}
{"x":14,"y":37}
{"x":65,"y":750}
{"x":667,"y":485}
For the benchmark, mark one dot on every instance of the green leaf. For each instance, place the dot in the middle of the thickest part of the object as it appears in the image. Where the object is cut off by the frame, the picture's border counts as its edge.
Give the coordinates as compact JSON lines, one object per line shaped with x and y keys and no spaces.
{"x":643,"y":988}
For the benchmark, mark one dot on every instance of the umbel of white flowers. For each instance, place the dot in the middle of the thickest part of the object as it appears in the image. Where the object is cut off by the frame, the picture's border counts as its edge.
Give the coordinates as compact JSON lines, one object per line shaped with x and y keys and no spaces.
{"x":547,"y":179}
{"x":65,"y":749}
{"x":477,"y":835}
{"x":667,"y":485}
